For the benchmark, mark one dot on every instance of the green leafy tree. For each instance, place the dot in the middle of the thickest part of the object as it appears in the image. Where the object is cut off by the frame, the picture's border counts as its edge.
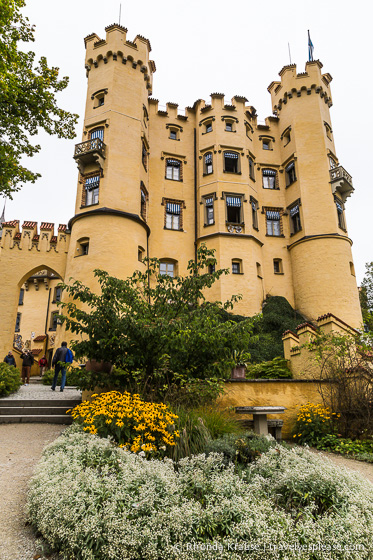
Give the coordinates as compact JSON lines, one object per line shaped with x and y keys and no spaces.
{"x":157,"y":328}
{"x":366,"y":296}
{"x":27,"y":99}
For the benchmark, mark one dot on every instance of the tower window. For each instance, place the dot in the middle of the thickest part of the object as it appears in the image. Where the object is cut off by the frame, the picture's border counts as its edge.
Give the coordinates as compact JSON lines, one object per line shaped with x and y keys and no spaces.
{"x":209,"y":216}
{"x":97,"y":133}
{"x":144,"y":156}
{"x":259,"y":270}
{"x":140,"y":253}
{"x":266,"y":144}
{"x":277,"y":266}
{"x":53,"y":321}
{"x":57,"y":294}
{"x":167,"y":269}
{"x":254,"y":213}
{"x":92,"y":185}
{"x":173,"y":214}
{"x":295,"y":224}
{"x":290,"y":175}
{"x":340,"y":214}
{"x":236,"y":266}
{"x":21,"y":296}
{"x":231,"y":162}
{"x":173,"y":169}
{"x":269,"y":179}
{"x":173,"y":134}
{"x":18,"y":322}
{"x":143,"y":200}
{"x":208,"y":127}
{"x":211,"y":268}
{"x":234,"y":209}
{"x":251,"y":169}
{"x":229,"y":126}
{"x":328,"y":130}
{"x":352,"y":268}
{"x":100,"y":101}
{"x":207,"y":161}
{"x":273,"y":221}
{"x":332,"y":163}
{"x":82,"y":247}
{"x":286,"y":136}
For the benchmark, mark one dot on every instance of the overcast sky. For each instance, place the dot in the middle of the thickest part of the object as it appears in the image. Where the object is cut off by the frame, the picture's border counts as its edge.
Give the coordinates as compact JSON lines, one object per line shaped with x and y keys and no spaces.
{"x":201,"y":47}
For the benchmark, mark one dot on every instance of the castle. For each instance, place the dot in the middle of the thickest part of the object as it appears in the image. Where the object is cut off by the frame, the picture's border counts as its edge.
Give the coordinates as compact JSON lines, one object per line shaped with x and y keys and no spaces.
{"x":269,"y":198}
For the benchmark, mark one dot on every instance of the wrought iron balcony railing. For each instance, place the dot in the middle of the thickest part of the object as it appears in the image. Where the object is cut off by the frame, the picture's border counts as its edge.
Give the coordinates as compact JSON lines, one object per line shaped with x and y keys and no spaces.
{"x":341,"y":181}
{"x":91,"y":151}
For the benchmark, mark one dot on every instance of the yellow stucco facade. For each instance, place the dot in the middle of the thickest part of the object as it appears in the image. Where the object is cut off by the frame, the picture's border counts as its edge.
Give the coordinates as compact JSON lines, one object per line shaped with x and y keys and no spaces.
{"x":158,"y":182}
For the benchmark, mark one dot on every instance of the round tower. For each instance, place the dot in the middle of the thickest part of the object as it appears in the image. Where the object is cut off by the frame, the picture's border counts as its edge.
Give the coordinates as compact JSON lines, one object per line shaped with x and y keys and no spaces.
{"x":322,"y":266}
{"x":109,"y":229}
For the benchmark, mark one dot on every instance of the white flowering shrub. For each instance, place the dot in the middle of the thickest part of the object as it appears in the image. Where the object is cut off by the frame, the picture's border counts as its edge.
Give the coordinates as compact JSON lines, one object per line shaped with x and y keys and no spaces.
{"x":93,"y":501}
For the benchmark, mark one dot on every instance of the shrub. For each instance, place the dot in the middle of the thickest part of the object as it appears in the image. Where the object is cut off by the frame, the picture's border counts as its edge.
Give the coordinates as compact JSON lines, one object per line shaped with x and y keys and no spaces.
{"x":274,"y":369}
{"x":314,"y":422}
{"x":94,"y":501}
{"x":73,"y":377}
{"x":10,"y":379}
{"x":241,"y":449}
{"x":132,"y":423}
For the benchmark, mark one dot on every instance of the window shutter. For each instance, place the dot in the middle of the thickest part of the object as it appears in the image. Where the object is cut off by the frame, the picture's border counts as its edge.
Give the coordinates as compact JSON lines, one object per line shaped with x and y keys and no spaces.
{"x":269,"y":173}
{"x":294,"y":210}
{"x":173,"y":208}
{"x":233,"y":201}
{"x":272,"y":215}
{"x":209,"y":201}
{"x":92,"y":183}
{"x":231,"y":155}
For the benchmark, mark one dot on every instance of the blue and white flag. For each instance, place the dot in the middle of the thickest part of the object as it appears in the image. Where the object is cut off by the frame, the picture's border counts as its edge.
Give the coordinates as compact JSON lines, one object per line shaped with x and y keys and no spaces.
{"x":310,"y":48}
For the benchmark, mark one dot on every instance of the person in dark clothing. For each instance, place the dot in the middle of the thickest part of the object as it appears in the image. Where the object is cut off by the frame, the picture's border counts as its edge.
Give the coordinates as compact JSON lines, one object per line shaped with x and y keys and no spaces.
{"x":9,"y":359}
{"x":27,"y":361}
{"x":64,"y":355}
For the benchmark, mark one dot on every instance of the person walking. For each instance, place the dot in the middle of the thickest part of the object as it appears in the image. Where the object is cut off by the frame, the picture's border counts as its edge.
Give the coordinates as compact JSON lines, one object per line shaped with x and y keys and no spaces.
{"x":9,"y":359}
{"x":27,"y":361}
{"x":62,"y":356}
{"x":42,"y":365}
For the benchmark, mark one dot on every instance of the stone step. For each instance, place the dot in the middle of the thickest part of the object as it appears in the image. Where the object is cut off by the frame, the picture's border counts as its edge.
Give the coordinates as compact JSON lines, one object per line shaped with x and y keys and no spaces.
{"x":39,"y":403}
{"x":48,"y":419}
{"x":32,"y":410}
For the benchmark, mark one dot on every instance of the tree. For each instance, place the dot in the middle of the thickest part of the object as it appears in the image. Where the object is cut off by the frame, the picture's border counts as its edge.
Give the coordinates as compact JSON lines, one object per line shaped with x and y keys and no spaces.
{"x":159,"y":326}
{"x":366,"y":296}
{"x":27,"y":99}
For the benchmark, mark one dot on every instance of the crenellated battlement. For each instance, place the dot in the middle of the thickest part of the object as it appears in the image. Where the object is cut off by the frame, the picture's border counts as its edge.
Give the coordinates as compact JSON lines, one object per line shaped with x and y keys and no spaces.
{"x":30,"y":239}
{"x":295,"y":84}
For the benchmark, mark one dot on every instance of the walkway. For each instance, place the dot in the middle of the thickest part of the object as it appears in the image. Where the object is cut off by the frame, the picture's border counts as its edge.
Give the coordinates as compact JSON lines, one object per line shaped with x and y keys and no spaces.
{"x":38,"y":391}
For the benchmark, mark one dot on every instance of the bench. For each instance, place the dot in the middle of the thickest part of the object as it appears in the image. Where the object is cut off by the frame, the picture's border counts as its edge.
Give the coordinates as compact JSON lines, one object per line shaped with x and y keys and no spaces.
{"x":260,"y":422}
{"x":274,"y":427}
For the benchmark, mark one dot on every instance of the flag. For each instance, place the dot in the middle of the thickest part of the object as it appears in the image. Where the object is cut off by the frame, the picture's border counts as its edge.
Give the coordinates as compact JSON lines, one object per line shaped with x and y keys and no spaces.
{"x":310,"y":48}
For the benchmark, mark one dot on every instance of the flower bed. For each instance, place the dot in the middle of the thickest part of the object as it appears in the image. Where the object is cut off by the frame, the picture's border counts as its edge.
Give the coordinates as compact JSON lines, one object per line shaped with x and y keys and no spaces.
{"x":94,"y":501}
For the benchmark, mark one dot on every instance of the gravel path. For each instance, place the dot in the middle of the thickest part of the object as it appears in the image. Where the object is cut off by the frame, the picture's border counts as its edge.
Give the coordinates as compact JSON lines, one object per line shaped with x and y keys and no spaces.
{"x":38,"y":391}
{"x":365,"y":469}
{"x":20,"y":449}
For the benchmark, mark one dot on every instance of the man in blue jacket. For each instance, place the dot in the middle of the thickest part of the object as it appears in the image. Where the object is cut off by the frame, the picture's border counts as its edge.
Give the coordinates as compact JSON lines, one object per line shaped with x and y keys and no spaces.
{"x":62,"y":356}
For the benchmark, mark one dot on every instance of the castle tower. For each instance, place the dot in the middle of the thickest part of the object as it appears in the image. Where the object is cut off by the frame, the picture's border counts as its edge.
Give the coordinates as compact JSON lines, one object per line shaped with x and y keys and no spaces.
{"x":109,"y":229}
{"x":322,"y":267}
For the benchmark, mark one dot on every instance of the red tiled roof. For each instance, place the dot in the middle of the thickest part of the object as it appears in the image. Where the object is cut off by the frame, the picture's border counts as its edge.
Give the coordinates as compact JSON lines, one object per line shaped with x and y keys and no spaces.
{"x":28,"y":224}
{"x":40,"y":338}
{"x":36,"y":238}
{"x":46,"y":225}
{"x":54,"y":239}
{"x":17,"y":236}
{"x":303,"y":325}
{"x":12,"y":223}
{"x":62,"y":227}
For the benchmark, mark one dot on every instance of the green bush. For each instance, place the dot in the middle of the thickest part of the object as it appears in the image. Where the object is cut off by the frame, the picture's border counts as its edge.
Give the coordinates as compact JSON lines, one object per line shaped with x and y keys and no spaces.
{"x":10,"y":379}
{"x":240,"y":449}
{"x":73,"y":377}
{"x":93,"y":501}
{"x":345,"y":446}
{"x":274,"y":369}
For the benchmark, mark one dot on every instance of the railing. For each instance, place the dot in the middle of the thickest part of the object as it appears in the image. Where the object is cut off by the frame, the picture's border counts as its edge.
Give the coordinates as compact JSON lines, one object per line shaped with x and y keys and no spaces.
{"x":94,"y":145}
{"x":338,"y":173}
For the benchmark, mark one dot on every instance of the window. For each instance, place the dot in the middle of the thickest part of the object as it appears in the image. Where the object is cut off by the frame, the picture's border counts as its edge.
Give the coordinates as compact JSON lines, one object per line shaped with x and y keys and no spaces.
{"x":254,"y":213}
{"x":207,"y":163}
{"x":18,"y":322}
{"x":173,"y":169}
{"x":251,"y":169}
{"x":211,"y":268}
{"x":266,"y":144}
{"x":328,"y":131}
{"x":21,"y":296}
{"x":340,"y":214}
{"x":236,"y":267}
{"x":173,"y":212}
{"x":173,"y":134}
{"x":332,"y":163}
{"x":92,"y":185}
{"x":143,"y":204}
{"x":295,"y":224}
{"x":208,"y":127}
{"x":83,"y":247}
{"x":167,"y":269}
{"x":259,"y":270}
{"x":277,"y":266}
{"x":273,"y":221}
{"x":97,"y":133}
{"x":290,"y":176}
{"x":286,"y":136}
{"x":57,"y":294}
{"x":140,"y":253}
{"x":234,"y":211}
{"x":100,"y":101}
{"x":99,"y":98}
{"x":269,"y":179}
{"x":209,"y":217}
{"x":231,"y":162}
{"x":352,"y":268}
{"x":144,"y":156}
{"x":53,"y":321}
{"x":229,"y":126}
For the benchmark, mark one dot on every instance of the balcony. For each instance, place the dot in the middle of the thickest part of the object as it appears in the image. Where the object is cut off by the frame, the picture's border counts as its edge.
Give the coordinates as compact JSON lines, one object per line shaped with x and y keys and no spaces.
{"x":341,"y":182}
{"x":90,"y":152}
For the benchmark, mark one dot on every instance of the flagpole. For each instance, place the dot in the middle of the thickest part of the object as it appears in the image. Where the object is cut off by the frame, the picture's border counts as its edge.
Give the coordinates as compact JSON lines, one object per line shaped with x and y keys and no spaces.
{"x":289,"y":53}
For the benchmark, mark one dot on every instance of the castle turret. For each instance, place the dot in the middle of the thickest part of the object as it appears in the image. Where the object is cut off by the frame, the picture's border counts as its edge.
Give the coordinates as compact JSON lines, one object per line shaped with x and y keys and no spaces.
{"x":109,"y":229}
{"x":322,"y":266}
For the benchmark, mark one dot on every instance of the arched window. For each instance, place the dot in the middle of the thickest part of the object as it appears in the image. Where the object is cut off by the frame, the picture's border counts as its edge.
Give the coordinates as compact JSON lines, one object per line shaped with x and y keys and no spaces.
{"x":97,"y":133}
{"x":207,"y":161}
{"x":173,"y":169}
